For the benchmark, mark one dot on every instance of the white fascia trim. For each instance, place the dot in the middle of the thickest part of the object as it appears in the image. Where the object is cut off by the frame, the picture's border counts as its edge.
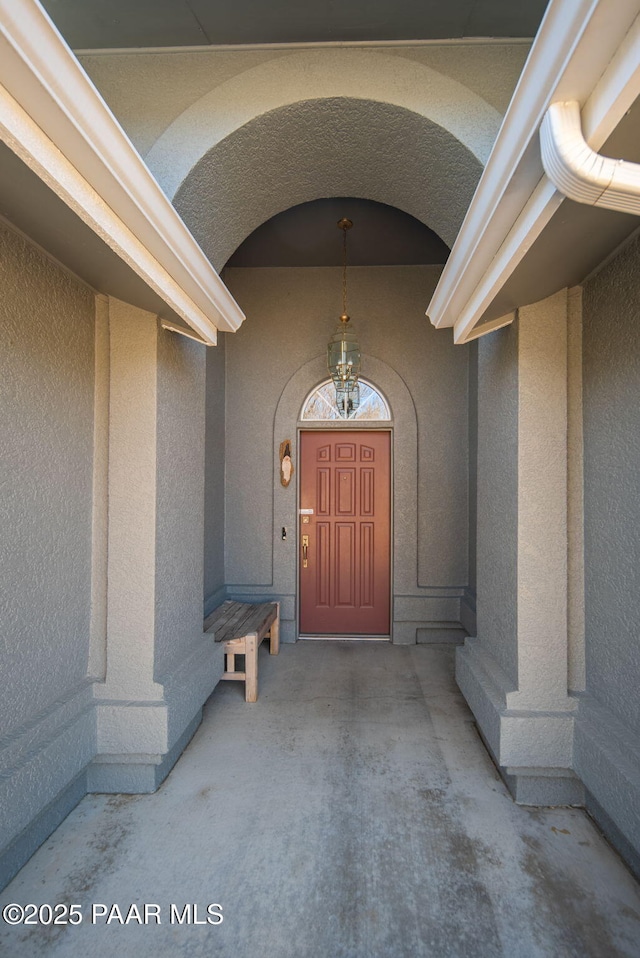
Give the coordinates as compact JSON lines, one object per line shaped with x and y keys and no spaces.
{"x":302,"y":45}
{"x":525,"y":231}
{"x":488,"y":327}
{"x":182,"y":330}
{"x":559,"y":32}
{"x":581,"y":47}
{"x":34,"y":148}
{"x":56,"y":121}
{"x":579,"y":172}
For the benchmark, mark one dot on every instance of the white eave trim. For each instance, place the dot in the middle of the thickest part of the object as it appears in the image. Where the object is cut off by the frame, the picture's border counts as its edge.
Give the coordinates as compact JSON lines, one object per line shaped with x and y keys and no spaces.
{"x":54,"y":119}
{"x":585,"y":50}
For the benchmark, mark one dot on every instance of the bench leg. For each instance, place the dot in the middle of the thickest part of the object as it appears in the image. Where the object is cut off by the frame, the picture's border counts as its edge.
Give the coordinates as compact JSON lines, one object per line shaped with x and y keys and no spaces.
{"x":274,"y":634}
{"x":251,"y":668}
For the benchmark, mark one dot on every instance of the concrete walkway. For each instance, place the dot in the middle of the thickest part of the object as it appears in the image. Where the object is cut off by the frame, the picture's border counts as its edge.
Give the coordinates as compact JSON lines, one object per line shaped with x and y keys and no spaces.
{"x":351,"y":813}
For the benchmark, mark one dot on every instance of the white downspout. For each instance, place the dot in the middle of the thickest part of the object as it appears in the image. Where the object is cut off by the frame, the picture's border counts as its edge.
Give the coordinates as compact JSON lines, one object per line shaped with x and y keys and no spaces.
{"x":580,"y":173}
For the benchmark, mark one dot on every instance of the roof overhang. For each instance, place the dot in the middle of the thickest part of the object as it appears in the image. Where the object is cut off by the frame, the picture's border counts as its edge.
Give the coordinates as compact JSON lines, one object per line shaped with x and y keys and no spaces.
{"x":53,"y":118}
{"x":521,"y":239}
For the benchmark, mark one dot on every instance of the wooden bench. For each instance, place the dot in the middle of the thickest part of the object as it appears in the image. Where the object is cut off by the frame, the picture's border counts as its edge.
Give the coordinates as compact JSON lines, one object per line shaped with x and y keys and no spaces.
{"x":242,"y":627}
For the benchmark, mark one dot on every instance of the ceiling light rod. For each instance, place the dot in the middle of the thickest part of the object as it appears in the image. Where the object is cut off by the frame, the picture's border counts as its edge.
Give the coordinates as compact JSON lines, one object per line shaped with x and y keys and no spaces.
{"x":344,"y":224}
{"x":343,"y":350}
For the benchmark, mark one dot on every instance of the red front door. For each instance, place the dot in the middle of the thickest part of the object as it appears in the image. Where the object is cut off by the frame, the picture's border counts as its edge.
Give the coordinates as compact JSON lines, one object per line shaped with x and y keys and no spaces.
{"x":345,"y":533}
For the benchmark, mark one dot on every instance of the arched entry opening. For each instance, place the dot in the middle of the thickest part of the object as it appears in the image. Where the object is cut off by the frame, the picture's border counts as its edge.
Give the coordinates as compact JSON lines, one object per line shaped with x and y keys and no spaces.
{"x":293,"y":153}
{"x":269,"y":368}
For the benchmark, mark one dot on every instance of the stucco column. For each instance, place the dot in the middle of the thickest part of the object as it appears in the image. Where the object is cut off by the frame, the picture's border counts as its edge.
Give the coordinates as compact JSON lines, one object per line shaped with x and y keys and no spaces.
{"x":515,"y":673}
{"x":130,"y":708}
{"x":160,"y":666}
{"x":542,"y":507}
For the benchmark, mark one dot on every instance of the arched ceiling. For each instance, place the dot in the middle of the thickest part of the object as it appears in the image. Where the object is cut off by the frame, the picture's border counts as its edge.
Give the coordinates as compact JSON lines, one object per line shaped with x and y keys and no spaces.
{"x":326,"y":74}
{"x":308,"y":235}
{"x":324,"y":148}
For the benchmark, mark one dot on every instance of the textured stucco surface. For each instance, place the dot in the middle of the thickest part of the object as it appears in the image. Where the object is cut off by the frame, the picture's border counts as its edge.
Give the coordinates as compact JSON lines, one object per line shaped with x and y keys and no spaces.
{"x":542,"y":506}
{"x":100,"y":525}
{"x":160,"y":666}
{"x":612,"y":471}
{"x":46,"y":383}
{"x":241,"y":136}
{"x":491,"y":70}
{"x":47,"y":424}
{"x":515,"y":673}
{"x":470,"y":605}
{"x":180,"y":499}
{"x":132,"y":505}
{"x":149,"y":91}
{"x":214,"y":474}
{"x":497,"y":480}
{"x":575,"y":493}
{"x":607,"y":750}
{"x":290,"y":315}
{"x":331,"y":147}
{"x":322,"y":75}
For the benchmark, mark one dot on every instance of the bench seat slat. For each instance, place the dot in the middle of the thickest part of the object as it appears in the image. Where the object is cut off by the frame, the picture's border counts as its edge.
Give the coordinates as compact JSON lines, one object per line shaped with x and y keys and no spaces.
{"x":236,"y":626}
{"x":259,"y":617}
{"x":228,"y":615}
{"x":239,"y":619}
{"x":221,"y":615}
{"x":233,"y":625}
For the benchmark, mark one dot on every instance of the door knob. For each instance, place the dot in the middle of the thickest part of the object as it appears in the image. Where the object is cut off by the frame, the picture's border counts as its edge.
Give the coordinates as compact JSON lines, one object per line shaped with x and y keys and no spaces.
{"x":305,"y":551}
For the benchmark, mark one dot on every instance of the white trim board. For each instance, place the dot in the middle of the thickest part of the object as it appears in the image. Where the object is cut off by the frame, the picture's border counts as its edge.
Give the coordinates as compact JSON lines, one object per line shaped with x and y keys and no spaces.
{"x":585,"y":50}
{"x":54,"y":119}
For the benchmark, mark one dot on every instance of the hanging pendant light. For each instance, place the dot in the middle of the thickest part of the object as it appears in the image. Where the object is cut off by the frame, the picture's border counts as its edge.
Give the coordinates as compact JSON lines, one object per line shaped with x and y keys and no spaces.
{"x":343,"y":350}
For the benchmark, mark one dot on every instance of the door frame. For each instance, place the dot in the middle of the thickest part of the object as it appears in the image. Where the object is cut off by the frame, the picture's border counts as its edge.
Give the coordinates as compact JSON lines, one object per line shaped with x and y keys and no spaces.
{"x":348,"y":426}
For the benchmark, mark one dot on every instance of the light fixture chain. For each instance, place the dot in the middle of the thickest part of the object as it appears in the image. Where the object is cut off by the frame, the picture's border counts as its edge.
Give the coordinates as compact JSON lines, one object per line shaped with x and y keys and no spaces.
{"x":344,"y":271}
{"x":343,"y":351}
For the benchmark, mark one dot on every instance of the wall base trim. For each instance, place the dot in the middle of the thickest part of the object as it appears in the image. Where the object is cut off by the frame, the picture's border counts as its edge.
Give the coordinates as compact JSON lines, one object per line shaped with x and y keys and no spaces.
{"x":544,"y":786}
{"x":485,"y":688}
{"x":189,"y":684}
{"x":468,"y":612}
{"x":127,"y":773}
{"x":52,"y":751}
{"x":18,"y":852}
{"x":137,"y":774}
{"x":607,"y":758}
{"x":629,"y":854}
{"x":431,"y":633}
{"x":532,"y":748}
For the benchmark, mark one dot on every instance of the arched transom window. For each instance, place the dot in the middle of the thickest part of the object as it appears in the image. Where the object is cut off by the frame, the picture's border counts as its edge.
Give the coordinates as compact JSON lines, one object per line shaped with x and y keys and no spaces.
{"x":320,"y":405}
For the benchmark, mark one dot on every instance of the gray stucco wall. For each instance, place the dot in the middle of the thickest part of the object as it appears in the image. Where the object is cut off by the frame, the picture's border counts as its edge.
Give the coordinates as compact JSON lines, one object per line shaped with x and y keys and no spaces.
{"x":608,"y":731}
{"x":161,"y":667}
{"x":214,"y":476}
{"x":276,"y":358}
{"x":186,"y":662}
{"x":180,"y":499}
{"x":497,"y":504}
{"x":468,"y":606}
{"x":612,"y":485}
{"x":46,"y":382}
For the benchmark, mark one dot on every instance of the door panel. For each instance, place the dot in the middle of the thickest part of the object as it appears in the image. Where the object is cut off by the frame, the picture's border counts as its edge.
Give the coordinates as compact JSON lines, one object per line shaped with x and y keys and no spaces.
{"x":345,"y":587}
